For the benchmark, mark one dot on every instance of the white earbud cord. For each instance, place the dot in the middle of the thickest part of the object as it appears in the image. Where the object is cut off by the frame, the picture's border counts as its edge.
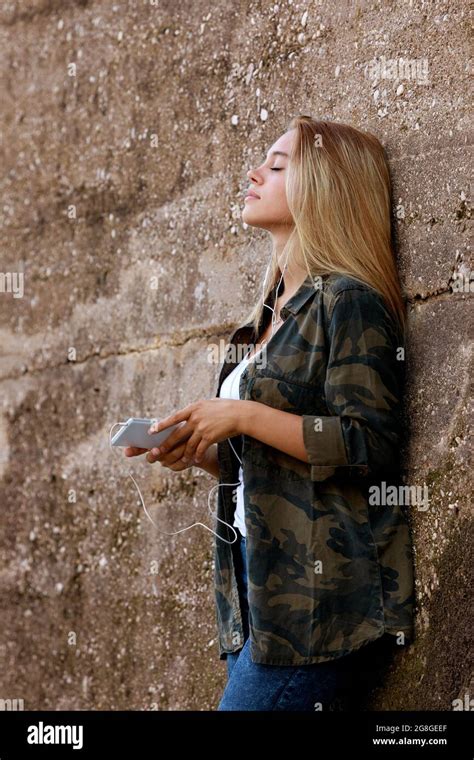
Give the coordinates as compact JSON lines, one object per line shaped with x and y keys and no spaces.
{"x":188,"y":527}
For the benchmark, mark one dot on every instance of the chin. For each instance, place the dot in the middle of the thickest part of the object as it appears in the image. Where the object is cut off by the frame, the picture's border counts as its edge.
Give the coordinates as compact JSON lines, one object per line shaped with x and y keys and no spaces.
{"x":251,"y":219}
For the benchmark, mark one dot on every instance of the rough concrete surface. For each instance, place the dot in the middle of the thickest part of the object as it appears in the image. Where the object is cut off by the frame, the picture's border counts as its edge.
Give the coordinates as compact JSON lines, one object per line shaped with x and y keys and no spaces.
{"x":127,"y":132}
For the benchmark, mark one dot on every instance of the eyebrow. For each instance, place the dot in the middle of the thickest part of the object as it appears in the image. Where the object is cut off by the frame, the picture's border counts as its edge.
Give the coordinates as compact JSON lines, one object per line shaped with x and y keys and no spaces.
{"x":279,"y":153}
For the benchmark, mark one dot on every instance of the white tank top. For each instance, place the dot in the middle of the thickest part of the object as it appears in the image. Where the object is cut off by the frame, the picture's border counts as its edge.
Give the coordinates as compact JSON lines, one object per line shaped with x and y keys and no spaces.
{"x":230,"y":389}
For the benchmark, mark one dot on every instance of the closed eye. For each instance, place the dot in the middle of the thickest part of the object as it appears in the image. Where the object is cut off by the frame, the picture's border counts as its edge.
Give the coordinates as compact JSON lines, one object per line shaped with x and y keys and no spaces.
{"x":277,"y":168}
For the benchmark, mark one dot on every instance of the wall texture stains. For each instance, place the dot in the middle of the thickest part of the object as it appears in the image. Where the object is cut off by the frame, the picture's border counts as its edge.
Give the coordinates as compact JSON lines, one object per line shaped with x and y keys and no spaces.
{"x":127,"y":131}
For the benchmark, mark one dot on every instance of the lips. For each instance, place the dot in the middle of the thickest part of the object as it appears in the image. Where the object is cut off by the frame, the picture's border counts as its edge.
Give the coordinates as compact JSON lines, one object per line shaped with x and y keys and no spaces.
{"x":251,"y":194}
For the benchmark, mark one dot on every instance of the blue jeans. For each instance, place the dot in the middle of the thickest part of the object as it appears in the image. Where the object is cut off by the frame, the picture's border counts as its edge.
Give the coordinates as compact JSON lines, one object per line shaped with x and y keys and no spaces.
{"x":253,"y":686}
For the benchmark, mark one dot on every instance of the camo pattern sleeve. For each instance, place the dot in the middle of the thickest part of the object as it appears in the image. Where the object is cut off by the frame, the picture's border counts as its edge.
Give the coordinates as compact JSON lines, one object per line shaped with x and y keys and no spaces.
{"x":362,"y":391}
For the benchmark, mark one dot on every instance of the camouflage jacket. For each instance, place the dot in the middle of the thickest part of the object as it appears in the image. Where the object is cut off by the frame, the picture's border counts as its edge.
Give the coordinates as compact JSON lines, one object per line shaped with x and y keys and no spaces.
{"x":328,"y":571}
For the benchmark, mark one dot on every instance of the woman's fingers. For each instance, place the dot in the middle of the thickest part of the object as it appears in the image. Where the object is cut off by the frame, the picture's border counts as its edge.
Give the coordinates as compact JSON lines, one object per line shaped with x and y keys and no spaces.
{"x":179,"y":416}
{"x":133,"y":451}
{"x":173,"y":459}
{"x":191,"y":446}
{"x":178,"y":436}
{"x":165,"y":459}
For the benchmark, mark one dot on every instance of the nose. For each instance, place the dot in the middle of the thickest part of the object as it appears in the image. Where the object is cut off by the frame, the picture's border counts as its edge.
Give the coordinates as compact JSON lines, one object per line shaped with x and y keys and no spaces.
{"x":253,"y":176}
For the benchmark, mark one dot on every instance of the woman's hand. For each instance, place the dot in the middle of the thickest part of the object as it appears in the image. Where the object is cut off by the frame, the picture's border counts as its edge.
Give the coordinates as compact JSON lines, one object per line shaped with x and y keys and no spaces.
{"x":207,"y":421}
{"x":172,"y":459}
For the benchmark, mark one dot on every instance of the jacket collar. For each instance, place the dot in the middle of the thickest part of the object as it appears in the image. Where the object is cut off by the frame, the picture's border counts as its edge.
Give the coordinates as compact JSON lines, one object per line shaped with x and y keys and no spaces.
{"x":293,"y":305}
{"x":298,"y":299}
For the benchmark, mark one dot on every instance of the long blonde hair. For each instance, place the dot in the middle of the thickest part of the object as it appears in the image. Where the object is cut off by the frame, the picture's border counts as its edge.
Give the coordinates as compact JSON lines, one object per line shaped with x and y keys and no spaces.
{"x":339,"y":195}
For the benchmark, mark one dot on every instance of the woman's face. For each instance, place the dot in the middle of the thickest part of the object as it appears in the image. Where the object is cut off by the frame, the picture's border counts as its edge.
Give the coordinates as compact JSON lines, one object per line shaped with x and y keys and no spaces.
{"x":270,"y":209}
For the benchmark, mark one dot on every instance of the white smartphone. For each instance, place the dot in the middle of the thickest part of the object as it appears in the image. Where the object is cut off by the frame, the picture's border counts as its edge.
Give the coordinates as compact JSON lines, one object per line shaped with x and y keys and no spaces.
{"x":134,"y":432}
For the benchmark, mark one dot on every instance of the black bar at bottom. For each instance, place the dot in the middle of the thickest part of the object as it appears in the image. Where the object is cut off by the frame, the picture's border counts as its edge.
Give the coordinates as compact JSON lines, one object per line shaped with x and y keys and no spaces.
{"x":87,"y":734}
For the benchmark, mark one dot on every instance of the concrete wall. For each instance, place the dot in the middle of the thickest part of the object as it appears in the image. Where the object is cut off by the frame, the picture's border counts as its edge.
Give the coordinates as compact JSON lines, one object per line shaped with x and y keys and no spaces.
{"x":127,"y":131}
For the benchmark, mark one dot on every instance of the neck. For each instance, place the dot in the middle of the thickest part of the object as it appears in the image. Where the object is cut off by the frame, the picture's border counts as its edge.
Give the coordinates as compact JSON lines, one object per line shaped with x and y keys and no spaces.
{"x":293,"y":274}
{"x":293,"y":277}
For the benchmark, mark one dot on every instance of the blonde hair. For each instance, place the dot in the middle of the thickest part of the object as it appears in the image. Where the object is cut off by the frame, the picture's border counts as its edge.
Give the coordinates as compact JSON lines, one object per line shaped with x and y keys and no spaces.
{"x":339,"y":195}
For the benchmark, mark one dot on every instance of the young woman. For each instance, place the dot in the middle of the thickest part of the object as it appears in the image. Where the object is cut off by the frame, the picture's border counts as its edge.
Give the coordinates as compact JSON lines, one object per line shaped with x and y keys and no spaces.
{"x":304,"y":435}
